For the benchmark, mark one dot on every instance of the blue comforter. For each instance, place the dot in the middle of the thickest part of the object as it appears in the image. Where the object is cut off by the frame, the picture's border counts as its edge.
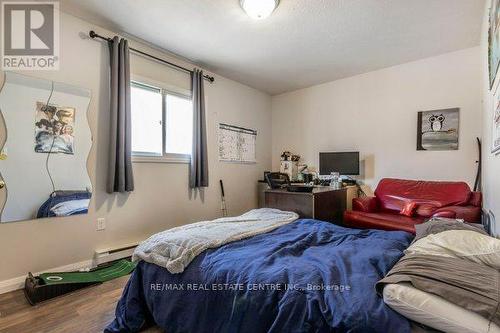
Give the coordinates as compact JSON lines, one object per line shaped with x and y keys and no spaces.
{"x":307,"y":276}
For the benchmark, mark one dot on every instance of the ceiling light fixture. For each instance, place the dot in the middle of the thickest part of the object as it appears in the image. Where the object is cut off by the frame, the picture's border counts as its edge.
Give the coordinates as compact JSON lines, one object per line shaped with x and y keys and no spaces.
{"x":259,"y":9}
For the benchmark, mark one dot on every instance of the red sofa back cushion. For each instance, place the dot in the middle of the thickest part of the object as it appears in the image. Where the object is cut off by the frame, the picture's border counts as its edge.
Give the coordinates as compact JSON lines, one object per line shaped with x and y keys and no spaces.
{"x":392,"y":194}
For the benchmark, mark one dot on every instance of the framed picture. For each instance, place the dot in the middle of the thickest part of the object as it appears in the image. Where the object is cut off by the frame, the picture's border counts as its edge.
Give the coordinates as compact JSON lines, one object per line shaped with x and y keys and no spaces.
{"x":438,"y":129}
{"x":495,"y":128}
{"x":494,"y":41}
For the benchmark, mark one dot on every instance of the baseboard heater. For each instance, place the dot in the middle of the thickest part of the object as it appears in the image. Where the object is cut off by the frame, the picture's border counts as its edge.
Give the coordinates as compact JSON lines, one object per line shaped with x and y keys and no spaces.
{"x":105,"y":255}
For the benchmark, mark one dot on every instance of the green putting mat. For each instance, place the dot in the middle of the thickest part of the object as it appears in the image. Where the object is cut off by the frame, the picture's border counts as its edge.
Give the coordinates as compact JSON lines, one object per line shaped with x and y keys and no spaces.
{"x":119,"y":268}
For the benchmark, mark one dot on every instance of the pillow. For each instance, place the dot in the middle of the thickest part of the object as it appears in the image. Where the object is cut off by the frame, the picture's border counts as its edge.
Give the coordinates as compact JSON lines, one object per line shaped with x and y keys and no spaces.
{"x":67,"y":208}
{"x":465,"y":244}
{"x":426,"y":210}
{"x":434,"y":311}
{"x":439,"y":224}
{"x":408,"y":208}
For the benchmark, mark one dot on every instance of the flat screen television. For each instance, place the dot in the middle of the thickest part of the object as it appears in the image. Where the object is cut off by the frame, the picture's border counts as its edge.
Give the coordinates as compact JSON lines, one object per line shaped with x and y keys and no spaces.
{"x":345,"y":163}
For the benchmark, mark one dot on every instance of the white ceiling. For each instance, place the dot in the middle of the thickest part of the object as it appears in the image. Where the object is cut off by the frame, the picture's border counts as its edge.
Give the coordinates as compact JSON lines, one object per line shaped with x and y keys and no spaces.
{"x":304,"y":42}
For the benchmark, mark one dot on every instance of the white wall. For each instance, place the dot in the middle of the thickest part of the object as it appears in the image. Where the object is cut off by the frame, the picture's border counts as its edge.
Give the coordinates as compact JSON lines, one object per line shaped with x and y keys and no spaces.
{"x":161,"y":198}
{"x":376,"y":113}
{"x":491,"y":163}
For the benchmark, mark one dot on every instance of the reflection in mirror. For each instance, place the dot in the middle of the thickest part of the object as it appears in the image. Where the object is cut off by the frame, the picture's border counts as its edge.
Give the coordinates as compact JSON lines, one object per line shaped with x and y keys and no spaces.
{"x":43,"y":161}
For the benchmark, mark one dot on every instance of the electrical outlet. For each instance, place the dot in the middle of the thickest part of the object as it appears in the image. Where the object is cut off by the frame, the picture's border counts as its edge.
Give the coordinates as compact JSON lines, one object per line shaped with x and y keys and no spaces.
{"x":101,"y":223}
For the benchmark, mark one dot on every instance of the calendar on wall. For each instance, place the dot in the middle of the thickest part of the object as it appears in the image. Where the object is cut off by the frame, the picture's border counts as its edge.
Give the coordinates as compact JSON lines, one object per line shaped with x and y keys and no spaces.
{"x":237,"y":144}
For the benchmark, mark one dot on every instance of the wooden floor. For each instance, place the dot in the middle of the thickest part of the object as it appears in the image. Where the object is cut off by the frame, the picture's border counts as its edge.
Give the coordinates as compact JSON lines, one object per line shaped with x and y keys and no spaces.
{"x":86,"y":310}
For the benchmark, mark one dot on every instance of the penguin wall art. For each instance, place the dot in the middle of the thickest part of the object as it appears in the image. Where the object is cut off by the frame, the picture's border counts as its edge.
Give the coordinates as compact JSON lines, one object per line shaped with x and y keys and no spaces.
{"x":438,"y":129}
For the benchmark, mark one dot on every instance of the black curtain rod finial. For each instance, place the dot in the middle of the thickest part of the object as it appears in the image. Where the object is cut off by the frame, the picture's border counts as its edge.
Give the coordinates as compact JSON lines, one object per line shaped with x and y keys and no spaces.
{"x":94,"y":35}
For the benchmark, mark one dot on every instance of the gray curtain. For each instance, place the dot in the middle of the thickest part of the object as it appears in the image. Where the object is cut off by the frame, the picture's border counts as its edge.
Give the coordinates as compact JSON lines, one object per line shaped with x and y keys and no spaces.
{"x":198,"y":175}
{"x":120,"y":176}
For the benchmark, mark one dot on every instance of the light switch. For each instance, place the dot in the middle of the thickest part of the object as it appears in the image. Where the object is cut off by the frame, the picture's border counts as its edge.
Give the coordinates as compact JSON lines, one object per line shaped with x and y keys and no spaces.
{"x":101,"y":223}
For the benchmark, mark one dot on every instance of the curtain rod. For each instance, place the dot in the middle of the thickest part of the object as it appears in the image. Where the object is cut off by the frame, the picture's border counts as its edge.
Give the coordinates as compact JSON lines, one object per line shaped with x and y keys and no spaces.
{"x":93,"y":35}
{"x":237,"y":127}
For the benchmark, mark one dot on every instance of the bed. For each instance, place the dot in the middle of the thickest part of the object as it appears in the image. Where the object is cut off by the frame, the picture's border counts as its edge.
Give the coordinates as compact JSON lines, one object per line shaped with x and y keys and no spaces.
{"x":305,"y":276}
{"x":65,"y":203}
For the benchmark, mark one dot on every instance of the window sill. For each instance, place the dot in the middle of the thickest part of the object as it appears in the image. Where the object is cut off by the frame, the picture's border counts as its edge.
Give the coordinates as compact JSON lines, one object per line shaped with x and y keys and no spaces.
{"x":161,"y":159}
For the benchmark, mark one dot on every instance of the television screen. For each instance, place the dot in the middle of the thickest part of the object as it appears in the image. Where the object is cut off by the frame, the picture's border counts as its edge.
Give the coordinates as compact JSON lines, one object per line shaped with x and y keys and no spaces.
{"x":345,"y":163}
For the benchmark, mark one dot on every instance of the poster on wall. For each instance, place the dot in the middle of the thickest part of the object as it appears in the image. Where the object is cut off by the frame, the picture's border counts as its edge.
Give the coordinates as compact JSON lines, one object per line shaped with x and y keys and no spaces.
{"x":54,"y":129}
{"x":237,"y":144}
{"x":438,"y":129}
{"x":494,"y":41}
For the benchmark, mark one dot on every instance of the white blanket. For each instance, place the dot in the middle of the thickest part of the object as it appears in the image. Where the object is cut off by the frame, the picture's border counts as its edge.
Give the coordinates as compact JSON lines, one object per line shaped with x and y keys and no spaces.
{"x":175,"y":248}
{"x":67,"y":208}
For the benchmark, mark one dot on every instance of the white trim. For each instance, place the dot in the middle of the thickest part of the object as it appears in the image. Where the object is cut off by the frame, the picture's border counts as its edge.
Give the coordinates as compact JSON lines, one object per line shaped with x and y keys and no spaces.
{"x":18,"y":282}
{"x":160,"y":159}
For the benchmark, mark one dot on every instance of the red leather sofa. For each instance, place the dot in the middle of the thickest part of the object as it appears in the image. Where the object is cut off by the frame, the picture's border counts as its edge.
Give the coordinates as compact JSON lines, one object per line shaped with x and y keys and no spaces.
{"x":399,"y":204}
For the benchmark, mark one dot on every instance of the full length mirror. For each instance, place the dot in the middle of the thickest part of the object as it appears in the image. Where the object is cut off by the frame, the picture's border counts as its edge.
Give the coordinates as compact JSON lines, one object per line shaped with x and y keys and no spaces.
{"x":43,"y":161}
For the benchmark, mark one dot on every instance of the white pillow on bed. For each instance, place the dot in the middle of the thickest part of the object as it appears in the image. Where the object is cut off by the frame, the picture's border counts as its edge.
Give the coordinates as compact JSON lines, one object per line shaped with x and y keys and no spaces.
{"x":471,"y":245}
{"x":434,"y":311}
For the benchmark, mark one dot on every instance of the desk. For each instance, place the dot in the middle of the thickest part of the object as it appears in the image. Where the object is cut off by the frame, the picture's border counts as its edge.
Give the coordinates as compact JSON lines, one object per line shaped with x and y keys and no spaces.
{"x":323,"y":203}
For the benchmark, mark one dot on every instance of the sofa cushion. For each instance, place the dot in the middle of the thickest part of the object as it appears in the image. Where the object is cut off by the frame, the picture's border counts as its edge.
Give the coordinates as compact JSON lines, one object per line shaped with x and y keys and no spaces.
{"x":466,"y":213}
{"x":365,"y":204}
{"x":384,"y":221}
{"x":393,"y":193}
{"x":408,"y":208}
{"x":425,"y":210}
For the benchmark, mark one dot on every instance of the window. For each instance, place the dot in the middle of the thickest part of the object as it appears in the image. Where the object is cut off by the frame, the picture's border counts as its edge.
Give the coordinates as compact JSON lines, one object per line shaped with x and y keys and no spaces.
{"x":162,"y":124}
{"x":147,"y":118}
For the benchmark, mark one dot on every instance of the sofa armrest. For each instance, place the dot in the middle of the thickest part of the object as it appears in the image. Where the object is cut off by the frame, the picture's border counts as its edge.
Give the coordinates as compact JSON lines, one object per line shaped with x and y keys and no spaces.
{"x":365,"y":204}
{"x":467,"y":213}
{"x":476,"y":199}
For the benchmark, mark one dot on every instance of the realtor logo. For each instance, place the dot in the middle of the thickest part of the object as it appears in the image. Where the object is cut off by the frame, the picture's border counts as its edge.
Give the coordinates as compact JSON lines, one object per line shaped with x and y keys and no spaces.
{"x":30,"y":36}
